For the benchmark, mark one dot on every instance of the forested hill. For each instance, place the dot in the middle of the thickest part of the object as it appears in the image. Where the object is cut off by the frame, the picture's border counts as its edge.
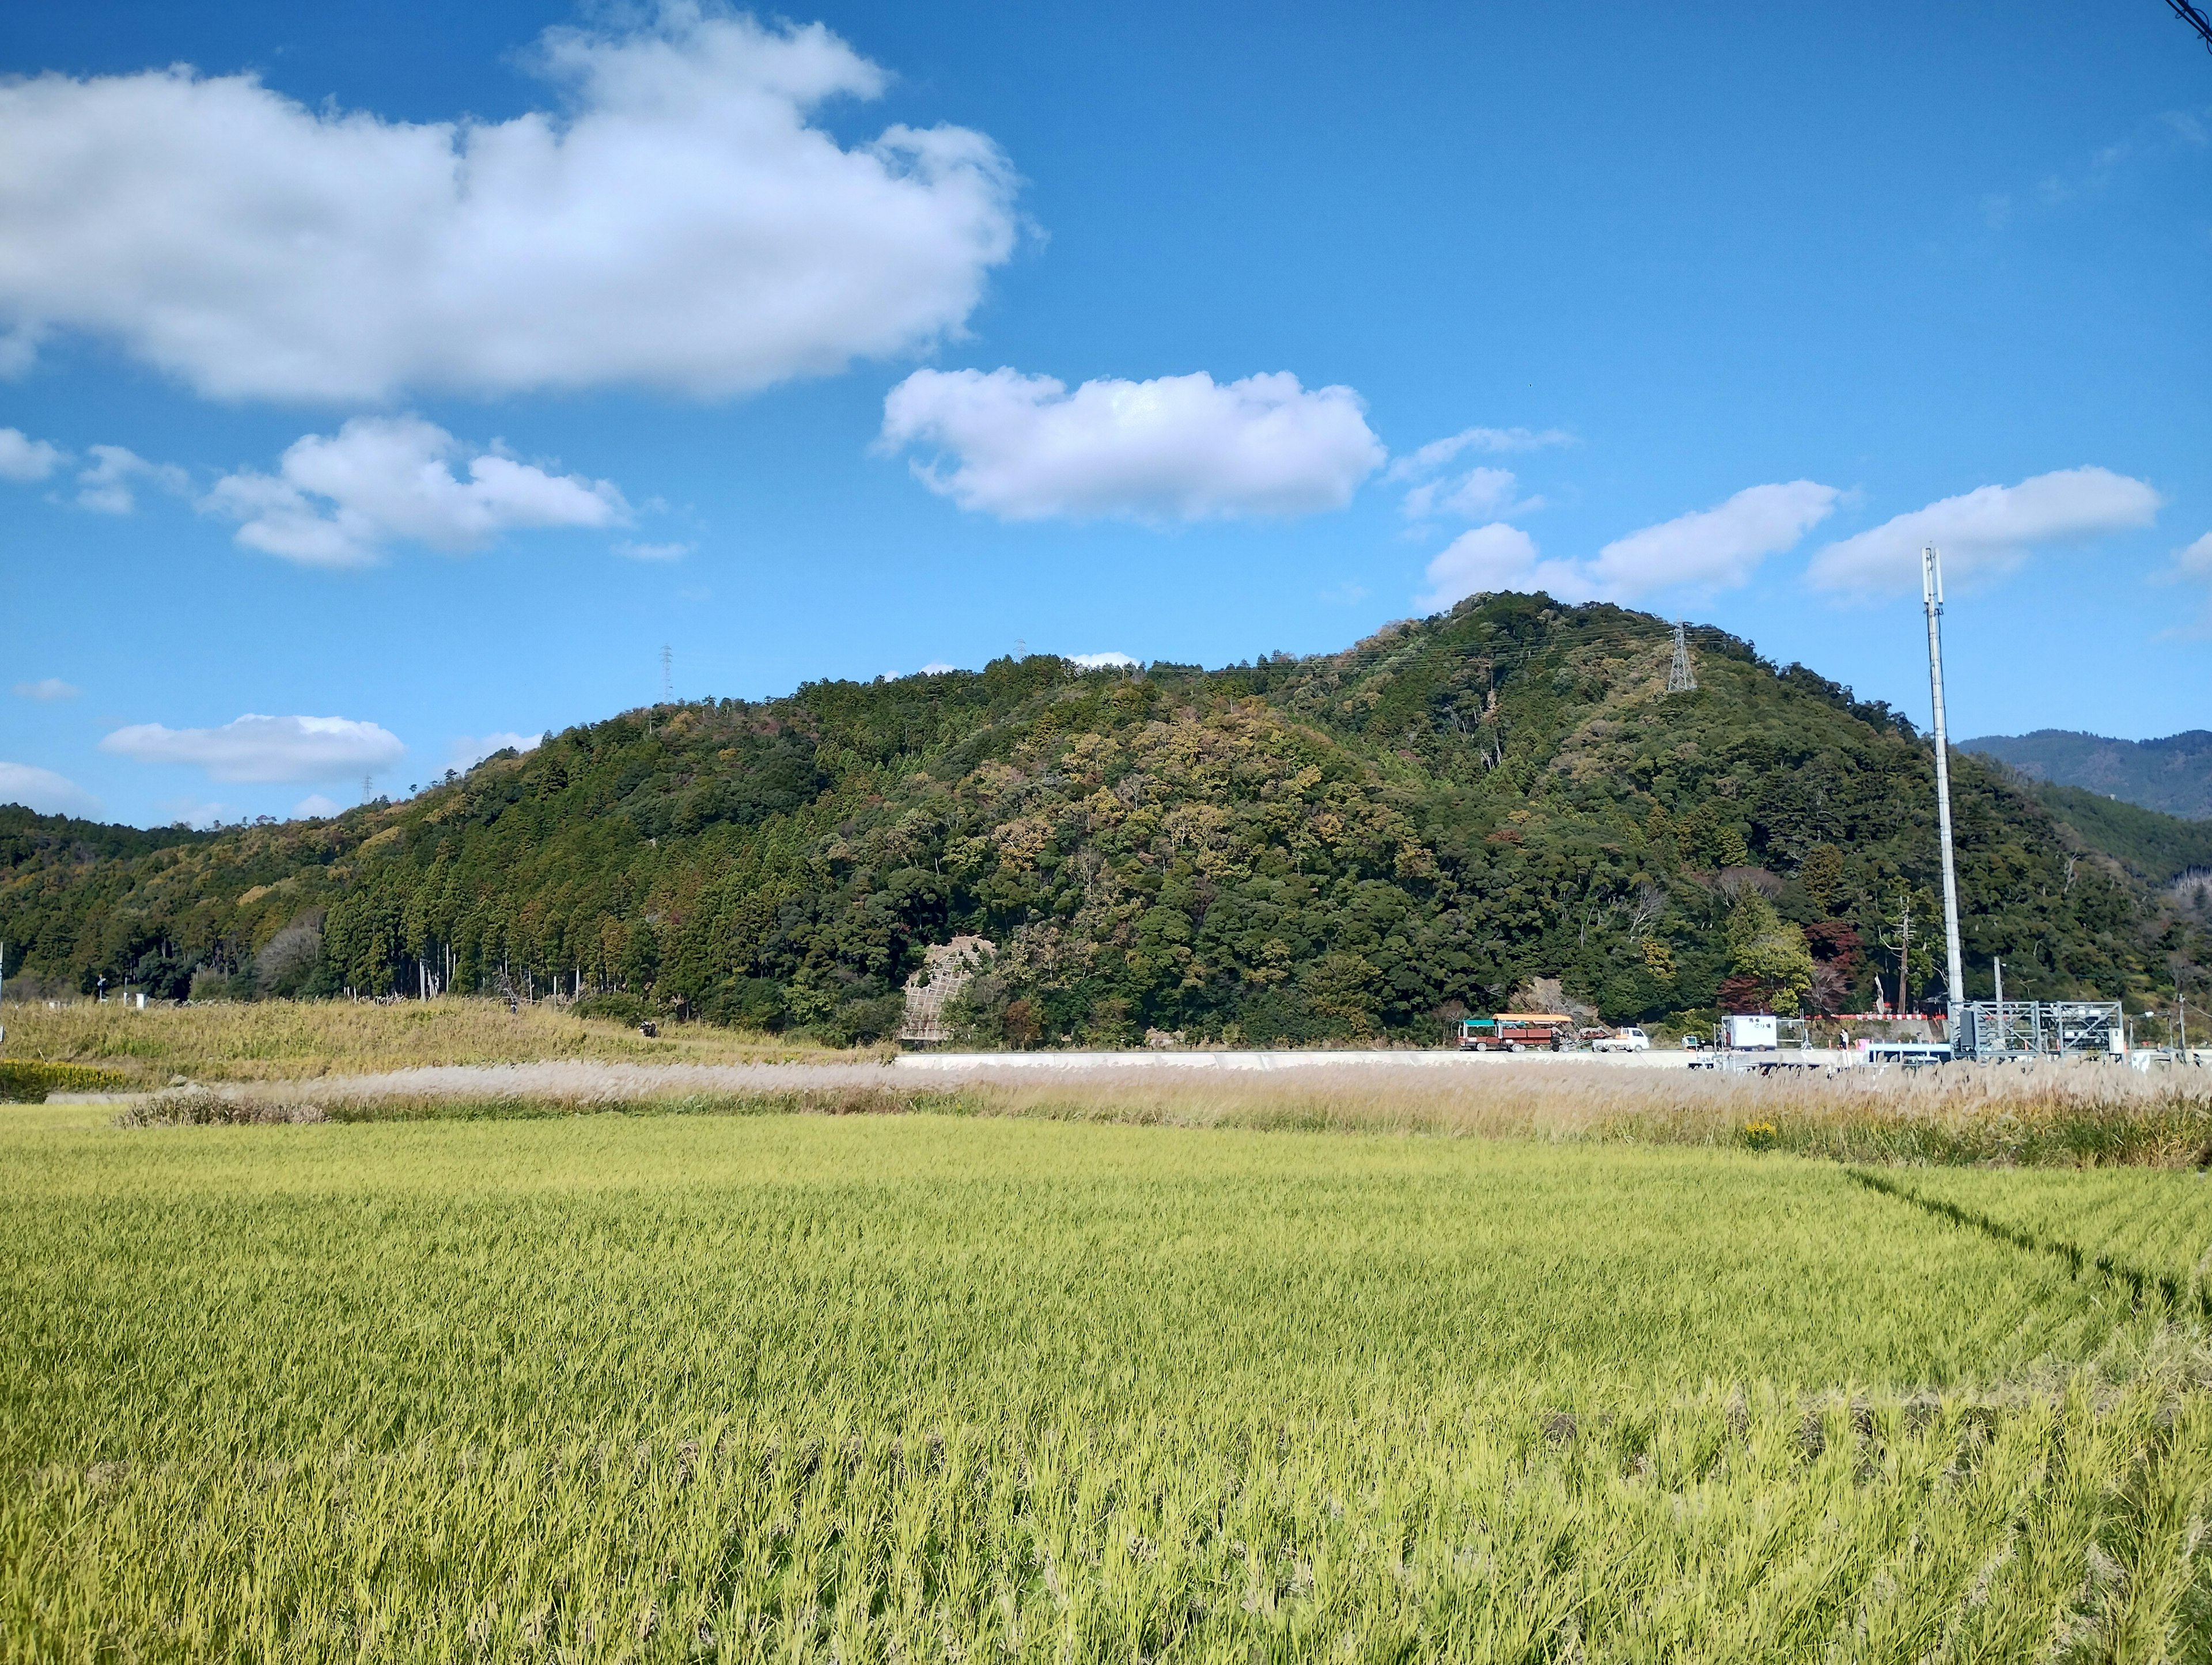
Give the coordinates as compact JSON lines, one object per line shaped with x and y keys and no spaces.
{"x":1348,"y":845}
{"x":2171,"y":776}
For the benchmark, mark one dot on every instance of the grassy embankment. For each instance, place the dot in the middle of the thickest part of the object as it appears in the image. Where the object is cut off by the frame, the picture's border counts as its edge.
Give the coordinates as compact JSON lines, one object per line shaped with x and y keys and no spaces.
{"x":919,"y":1388}
{"x":285,"y":1041}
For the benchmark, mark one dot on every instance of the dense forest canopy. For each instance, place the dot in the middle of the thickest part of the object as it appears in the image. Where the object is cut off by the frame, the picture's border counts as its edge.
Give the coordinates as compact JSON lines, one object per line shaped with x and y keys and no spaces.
{"x":1354,"y":845}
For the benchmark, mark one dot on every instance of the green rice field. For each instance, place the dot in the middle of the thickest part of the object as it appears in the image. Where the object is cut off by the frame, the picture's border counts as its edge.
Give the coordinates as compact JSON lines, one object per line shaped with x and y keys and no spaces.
{"x":917,"y":1387}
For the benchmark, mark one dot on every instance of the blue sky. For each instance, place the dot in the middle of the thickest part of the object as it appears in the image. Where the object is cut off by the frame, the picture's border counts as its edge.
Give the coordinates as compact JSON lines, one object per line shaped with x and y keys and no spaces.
{"x":406,"y":377}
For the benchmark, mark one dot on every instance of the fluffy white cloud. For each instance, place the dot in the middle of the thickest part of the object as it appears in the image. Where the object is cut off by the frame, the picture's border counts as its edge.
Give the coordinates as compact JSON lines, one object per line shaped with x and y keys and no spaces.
{"x":1986,"y":532}
{"x":1716,"y":548}
{"x":677,"y":223}
{"x":316,"y":807}
{"x":1498,"y":557}
{"x":1102,"y":661}
{"x":45,"y":792}
{"x":47,"y":688}
{"x":631,"y":551}
{"x":1176,"y":448}
{"x":336,"y":502}
{"x":25,"y":461}
{"x":110,"y":485}
{"x":470,"y":750}
{"x":937,"y":668}
{"x":256,"y":748}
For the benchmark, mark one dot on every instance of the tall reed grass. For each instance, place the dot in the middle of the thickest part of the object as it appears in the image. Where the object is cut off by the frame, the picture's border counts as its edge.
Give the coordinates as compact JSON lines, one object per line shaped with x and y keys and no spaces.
{"x":2084,"y":1114}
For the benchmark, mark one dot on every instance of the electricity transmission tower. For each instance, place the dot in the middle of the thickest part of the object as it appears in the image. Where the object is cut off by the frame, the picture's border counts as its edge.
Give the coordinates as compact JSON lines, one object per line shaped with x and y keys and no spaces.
{"x":1680,"y":679}
{"x":2196,"y":20}
{"x":667,"y":678}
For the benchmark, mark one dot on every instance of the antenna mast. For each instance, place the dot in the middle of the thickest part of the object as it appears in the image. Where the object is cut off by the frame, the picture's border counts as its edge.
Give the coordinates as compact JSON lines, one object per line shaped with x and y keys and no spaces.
{"x":1680,"y":679}
{"x":1931,"y":597}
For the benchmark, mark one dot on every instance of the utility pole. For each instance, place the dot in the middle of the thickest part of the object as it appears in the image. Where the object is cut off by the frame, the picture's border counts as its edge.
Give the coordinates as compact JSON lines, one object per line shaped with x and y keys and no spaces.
{"x":1904,"y":955}
{"x":1931,"y":596}
{"x":1996,"y":968}
{"x":1680,"y":679}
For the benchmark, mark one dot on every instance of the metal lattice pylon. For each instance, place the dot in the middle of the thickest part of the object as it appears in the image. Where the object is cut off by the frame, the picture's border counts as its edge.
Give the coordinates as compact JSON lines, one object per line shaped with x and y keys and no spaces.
{"x":1680,"y":679}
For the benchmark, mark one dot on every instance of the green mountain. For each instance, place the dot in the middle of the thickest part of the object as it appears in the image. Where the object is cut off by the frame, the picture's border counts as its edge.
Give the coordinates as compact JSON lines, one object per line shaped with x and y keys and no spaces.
{"x":2173,"y":776}
{"x":2155,"y":847}
{"x":1357,"y":844}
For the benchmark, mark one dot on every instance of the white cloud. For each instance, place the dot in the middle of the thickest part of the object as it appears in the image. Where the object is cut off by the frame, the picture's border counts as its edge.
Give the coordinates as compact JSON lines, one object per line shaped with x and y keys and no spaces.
{"x":1716,"y":548}
{"x":1986,"y":532}
{"x":256,"y":748}
{"x":1479,"y":494}
{"x":937,"y":668}
{"x":1436,"y":453}
{"x":47,"y":688}
{"x":316,"y":807}
{"x":110,"y":485}
{"x":1175,"y":448}
{"x":336,"y":502}
{"x":2194,"y":562}
{"x":653,"y":551}
{"x":25,"y":461}
{"x":1498,"y":557}
{"x":468,"y":750}
{"x":1102,"y":661}
{"x":2191,"y":564}
{"x":677,"y":223}
{"x":45,"y":792}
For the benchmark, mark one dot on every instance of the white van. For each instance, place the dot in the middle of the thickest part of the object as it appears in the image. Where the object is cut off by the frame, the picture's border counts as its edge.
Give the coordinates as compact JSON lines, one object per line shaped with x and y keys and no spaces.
{"x":1631,"y":1039}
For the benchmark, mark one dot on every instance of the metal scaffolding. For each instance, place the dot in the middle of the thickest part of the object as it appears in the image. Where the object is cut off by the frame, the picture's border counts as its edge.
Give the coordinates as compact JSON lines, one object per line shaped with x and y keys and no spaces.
{"x":1995,"y":1030}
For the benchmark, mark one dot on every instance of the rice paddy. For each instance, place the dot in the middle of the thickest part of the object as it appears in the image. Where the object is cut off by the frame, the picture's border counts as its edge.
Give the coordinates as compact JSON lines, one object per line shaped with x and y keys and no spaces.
{"x":922,"y":1387}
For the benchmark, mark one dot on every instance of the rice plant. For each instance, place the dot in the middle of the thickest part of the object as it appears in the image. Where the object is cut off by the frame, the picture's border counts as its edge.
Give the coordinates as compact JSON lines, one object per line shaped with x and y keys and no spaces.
{"x":976,"y":1388}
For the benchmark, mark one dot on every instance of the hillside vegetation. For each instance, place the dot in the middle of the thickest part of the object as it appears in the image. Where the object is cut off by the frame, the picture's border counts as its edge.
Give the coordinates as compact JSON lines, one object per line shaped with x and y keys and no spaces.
{"x":1355,"y":845}
{"x":2173,"y":776}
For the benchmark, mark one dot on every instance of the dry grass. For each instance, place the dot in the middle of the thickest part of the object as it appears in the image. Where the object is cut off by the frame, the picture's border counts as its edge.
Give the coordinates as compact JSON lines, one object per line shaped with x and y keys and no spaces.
{"x":281,"y":1041}
{"x":2075,"y":1116}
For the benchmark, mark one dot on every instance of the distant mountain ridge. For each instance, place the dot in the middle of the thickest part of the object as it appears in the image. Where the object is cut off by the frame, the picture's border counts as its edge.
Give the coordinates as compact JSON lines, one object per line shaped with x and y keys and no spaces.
{"x":2173,"y":776}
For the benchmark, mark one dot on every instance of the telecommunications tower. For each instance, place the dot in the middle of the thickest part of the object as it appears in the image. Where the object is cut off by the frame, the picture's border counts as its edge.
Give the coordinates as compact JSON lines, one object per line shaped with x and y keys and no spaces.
{"x":667,"y":677}
{"x":1680,"y":679}
{"x":1931,"y":597}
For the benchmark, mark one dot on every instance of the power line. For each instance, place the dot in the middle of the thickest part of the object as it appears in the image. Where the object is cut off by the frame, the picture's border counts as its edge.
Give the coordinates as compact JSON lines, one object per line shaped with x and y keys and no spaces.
{"x":2196,"y":20}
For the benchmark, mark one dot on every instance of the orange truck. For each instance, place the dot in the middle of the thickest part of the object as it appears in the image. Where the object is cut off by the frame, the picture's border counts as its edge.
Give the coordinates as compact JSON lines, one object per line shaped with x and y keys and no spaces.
{"x":1515,"y":1032}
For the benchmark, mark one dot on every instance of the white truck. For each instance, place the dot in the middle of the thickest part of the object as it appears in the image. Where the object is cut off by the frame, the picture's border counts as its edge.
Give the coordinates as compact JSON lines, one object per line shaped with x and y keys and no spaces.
{"x":1628,"y":1039}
